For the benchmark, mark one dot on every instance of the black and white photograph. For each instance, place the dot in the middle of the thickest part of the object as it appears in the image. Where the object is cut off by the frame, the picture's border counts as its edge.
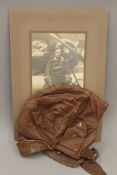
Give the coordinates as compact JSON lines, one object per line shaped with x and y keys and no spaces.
{"x":57,"y":58}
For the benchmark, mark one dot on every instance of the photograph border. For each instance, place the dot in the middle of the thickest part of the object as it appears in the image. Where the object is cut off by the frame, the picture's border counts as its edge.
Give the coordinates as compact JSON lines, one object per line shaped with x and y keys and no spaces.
{"x":85,"y":48}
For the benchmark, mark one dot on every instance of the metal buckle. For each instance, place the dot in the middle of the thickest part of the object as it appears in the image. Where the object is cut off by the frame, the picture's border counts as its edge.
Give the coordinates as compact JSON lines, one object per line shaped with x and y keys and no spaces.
{"x":96,"y":154}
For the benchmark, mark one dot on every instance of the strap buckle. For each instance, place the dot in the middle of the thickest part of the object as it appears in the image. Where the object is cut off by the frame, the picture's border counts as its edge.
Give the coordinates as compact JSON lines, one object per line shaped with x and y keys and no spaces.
{"x":95,"y":154}
{"x":90,"y":154}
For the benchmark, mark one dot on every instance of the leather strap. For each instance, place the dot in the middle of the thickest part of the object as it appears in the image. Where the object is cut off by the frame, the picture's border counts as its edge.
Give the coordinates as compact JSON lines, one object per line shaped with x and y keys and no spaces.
{"x":89,"y":164}
{"x":87,"y":161}
{"x":92,"y":168}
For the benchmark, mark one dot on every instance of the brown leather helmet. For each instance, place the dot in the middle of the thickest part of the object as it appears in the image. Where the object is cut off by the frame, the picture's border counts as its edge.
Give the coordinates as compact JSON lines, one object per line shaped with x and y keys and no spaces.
{"x":62,"y":121}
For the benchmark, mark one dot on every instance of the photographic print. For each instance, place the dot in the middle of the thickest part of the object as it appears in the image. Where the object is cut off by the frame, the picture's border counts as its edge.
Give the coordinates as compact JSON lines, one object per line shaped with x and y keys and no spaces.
{"x":57,"y":58}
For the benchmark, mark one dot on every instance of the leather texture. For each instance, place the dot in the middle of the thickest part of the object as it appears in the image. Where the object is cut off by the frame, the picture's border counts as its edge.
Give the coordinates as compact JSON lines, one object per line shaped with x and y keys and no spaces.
{"x":62,"y":121}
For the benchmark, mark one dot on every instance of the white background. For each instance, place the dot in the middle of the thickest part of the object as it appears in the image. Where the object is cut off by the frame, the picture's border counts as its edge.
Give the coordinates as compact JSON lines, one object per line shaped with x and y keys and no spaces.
{"x":11,"y":163}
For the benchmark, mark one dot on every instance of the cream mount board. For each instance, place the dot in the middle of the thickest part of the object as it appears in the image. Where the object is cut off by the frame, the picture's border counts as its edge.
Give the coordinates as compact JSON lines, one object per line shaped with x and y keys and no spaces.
{"x":24,"y":22}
